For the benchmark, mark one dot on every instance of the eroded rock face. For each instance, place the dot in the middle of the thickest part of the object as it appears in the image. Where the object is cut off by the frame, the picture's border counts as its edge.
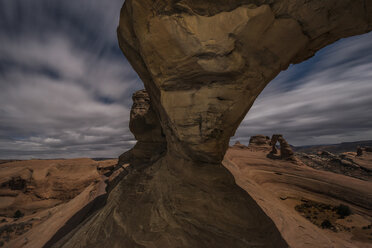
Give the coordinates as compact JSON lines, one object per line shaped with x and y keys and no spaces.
{"x":362,"y":150}
{"x":175,"y":203}
{"x":239,"y":145}
{"x":205,"y":62}
{"x":146,"y":128}
{"x":260,"y":141}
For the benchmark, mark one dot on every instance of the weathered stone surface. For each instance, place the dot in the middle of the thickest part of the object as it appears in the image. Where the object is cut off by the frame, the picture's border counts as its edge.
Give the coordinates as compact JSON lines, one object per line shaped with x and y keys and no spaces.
{"x":260,"y":141}
{"x":205,"y":62}
{"x":362,"y":150}
{"x":54,"y":196}
{"x":174,"y":203}
{"x":145,"y":126}
{"x":347,"y":163}
{"x":239,"y":145}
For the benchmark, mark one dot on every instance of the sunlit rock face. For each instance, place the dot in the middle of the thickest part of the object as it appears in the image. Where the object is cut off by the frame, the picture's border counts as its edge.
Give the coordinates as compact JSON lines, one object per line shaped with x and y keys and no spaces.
{"x":205,"y":62}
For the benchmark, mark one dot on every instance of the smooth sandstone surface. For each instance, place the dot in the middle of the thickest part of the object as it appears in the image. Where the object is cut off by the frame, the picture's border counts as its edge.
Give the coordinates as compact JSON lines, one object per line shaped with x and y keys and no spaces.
{"x":53,"y":195}
{"x":279,"y":185}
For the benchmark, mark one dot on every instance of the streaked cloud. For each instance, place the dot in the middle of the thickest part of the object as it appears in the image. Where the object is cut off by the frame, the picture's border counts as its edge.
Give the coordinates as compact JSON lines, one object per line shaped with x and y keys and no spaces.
{"x":65,"y":87}
{"x":326,"y":99}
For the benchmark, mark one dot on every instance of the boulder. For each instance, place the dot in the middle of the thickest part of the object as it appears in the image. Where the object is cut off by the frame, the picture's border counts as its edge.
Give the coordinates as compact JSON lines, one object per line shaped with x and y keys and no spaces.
{"x":260,"y":141}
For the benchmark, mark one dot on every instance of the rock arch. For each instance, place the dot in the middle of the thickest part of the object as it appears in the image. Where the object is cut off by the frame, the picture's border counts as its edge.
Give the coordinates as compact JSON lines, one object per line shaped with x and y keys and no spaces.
{"x":286,"y":151}
{"x":203,"y":63}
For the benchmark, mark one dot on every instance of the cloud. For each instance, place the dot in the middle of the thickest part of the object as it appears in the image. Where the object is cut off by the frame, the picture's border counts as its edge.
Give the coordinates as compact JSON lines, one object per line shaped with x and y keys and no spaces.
{"x":65,"y":87}
{"x":326,"y":99}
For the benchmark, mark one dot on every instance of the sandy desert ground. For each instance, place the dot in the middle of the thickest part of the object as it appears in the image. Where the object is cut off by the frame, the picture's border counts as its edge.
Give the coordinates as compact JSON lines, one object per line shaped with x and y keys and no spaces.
{"x":42,"y":200}
{"x":279,"y":186}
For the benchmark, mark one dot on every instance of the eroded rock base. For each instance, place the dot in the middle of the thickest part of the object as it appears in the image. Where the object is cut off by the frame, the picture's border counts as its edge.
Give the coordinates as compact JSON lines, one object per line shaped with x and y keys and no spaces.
{"x":175,"y":203}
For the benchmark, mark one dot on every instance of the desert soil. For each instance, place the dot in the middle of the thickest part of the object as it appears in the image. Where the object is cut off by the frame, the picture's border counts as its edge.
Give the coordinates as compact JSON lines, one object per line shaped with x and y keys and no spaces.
{"x":40,"y":199}
{"x":299,"y":198}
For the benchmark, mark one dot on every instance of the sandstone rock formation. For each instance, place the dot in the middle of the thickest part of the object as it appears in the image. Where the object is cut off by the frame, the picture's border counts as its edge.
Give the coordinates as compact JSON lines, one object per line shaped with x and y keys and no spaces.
{"x":286,"y":151}
{"x":260,"y":142}
{"x":346,"y":163}
{"x":172,"y":203}
{"x":52,"y":195}
{"x":203,"y":63}
{"x":362,"y":150}
{"x":41,"y":184}
{"x":278,"y":187}
{"x":239,"y":145}
{"x":145,"y":126}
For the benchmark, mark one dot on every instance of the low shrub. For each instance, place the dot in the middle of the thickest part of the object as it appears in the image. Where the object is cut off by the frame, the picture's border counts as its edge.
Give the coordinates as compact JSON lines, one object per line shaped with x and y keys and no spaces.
{"x":326,"y":224}
{"x":18,"y":214}
{"x":343,"y":211}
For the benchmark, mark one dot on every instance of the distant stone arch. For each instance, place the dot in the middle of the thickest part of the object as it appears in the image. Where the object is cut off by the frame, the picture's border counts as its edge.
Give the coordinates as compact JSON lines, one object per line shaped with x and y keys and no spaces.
{"x":286,"y":151}
{"x":204,"y":63}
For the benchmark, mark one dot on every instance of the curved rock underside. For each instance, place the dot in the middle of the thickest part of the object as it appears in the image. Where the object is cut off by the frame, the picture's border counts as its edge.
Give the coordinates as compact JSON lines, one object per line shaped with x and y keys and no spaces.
{"x":203,"y":63}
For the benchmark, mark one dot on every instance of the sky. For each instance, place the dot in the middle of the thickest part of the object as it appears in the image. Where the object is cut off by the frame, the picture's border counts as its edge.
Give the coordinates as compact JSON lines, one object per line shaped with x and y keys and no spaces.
{"x":65,"y":86}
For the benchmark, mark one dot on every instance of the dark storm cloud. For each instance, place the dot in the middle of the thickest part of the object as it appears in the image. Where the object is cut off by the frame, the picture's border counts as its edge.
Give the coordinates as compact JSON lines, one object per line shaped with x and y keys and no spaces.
{"x":65,"y":86}
{"x":327,"y":99}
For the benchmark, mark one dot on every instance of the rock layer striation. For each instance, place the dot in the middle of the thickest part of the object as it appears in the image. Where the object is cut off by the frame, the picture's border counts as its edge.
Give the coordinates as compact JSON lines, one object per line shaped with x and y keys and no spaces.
{"x":260,"y":142}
